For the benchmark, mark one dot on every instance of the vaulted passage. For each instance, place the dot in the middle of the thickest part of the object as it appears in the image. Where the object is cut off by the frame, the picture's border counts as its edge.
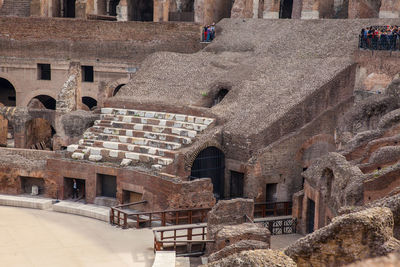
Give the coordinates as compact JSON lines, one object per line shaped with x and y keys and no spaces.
{"x":69,"y":8}
{"x":7,"y":93}
{"x":210,"y":163}
{"x":113,"y":7}
{"x":47,"y":101}
{"x":141,"y":10}
{"x":89,"y":102}
{"x":285,"y":11}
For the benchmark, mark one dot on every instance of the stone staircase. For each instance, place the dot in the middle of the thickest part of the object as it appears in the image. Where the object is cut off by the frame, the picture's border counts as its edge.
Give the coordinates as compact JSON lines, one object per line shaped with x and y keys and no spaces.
{"x":129,"y":136}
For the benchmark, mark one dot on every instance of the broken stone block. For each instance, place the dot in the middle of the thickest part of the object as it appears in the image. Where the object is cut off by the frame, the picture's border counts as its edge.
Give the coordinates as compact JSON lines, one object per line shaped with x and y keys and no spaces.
{"x":125,"y":162}
{"x":231,"y":234}
{"x":254,"y":258}
{"x":95,"y":158}
{"x":349,"y":238}
{"x":237,"y":248}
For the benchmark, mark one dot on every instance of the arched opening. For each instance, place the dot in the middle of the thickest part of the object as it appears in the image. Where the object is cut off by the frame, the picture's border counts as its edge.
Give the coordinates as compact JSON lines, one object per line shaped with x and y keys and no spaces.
{"x":220,"y":95}
{"x":182,"y":11}
{"x":112,"y":7}
{"x":89,"y":102}
{"x":69,"y":8}
{"x":117,"y":89}
{"x":210,"y":163}
{"x":7,"y":93}
{"x":141,"y":10}
{"x":42,"y":101}
{"x":285,"y":10}
{"x":39,"y":134}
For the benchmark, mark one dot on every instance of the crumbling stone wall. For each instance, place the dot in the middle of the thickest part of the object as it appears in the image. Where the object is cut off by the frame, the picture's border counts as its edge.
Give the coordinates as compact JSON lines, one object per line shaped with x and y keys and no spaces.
{"x":27,"y":163}
{"x":348,"y":238}
{"x":254,"y":258}
{"x":19,"y":8}
{"x":69,"y":98}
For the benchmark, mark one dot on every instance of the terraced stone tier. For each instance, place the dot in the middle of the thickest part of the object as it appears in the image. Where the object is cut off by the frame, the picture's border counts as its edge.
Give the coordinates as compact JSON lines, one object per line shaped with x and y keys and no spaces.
{"x":136,"y":136}
{"x":25,"y":202}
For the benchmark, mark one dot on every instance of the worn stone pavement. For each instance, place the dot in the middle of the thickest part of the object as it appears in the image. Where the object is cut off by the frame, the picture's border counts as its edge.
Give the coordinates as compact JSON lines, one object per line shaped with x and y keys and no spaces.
{"x":31,"y":237}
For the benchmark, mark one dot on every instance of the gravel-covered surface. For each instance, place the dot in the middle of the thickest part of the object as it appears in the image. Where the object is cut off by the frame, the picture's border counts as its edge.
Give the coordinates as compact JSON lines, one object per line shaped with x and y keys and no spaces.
{"x":269,"y":66}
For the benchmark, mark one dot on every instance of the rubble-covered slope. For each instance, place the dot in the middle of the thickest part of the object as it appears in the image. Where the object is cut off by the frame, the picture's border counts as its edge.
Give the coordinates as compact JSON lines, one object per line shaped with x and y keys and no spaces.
{"x":269,"y":66}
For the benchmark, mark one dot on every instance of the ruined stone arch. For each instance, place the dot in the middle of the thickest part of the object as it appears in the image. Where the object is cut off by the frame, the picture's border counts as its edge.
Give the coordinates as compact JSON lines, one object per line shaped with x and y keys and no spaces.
{"x":189,"y":158}
{"x":110,"y":88}
{"x":210,"y":163}
{"x":47,"y":101}
{"x":90,"y":102}
{"x":7,"y":93}
{"x":30,"y":95}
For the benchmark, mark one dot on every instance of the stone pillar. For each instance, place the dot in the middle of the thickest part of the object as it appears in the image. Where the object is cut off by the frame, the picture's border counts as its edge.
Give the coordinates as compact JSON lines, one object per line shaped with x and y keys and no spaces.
{"x":389,"y":9}
{"x":310,"y":9}
{"x":244,"y":9}
{"x":122,"y":10}
{"x":161,"y":10}
{"x":3,"y":131}
{"x":361,"y":9}
{"x":271,"y":9}
{"x":297,"y":7}
{"x":69,"y":98}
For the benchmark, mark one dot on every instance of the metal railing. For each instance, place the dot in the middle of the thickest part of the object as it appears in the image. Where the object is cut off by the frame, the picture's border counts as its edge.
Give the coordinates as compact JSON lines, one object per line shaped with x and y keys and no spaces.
{"x":167,"y":217}
{"x":184,"y":239}
{"x":140,"y":219}
{"x":119,"y":217}
{"x":279,"y":226}
{"x":265,"y":209}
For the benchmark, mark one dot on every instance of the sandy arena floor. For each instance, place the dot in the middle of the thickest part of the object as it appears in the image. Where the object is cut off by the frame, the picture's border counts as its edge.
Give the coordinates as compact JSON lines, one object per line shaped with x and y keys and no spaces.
{"x":31,"y":237}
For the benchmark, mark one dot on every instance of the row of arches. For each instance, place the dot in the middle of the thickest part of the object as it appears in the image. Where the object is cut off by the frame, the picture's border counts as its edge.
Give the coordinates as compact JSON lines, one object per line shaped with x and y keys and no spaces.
{"x":8,"y":98}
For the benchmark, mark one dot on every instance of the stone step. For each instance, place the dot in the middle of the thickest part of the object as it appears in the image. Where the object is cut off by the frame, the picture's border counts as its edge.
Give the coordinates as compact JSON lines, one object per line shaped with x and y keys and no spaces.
{"x":158,"y":115}
{"x":26,"y":202}
{"x":135,"y":148}
{"x":88,"y":210}
{"x":147,"y":128}
{"x":111,"y":155}
{"x":137,"y":141}
{"x":153,"y":121}
{"x":138,"y":134}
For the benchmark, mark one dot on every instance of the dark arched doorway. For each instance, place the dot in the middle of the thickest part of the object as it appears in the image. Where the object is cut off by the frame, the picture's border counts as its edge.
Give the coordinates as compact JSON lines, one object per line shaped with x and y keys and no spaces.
{"x":69,"y":8}
{"x":112,"y":7}
{"x":7,"y":93}
{"x":220,"y":95}
{"x":117,"y":89}
{"x":141,"y":10}
{"x":285,"y":11}
{"x":89,"y":102}
{"x":46,"y":101}
{"x":210,"y":163}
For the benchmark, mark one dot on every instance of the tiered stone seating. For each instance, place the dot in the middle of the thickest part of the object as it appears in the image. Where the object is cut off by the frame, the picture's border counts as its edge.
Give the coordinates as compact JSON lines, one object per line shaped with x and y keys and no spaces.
{"x":88,"y":210}
{"x":26,"y":202}
{"x":126,"y":135}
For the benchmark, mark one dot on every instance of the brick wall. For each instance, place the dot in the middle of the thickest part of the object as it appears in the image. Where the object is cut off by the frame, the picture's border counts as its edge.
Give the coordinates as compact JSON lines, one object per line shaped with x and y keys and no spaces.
{"x":20,"y":8}
{"x":81,"y":39}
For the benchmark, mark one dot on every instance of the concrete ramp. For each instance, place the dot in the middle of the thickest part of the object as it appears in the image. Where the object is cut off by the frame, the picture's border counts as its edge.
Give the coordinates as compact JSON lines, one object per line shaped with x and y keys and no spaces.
{"x":165,"y":259}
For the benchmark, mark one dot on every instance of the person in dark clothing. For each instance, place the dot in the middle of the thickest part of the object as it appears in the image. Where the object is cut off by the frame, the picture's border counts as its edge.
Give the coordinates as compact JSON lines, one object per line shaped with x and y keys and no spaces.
{"x":74,"y":189}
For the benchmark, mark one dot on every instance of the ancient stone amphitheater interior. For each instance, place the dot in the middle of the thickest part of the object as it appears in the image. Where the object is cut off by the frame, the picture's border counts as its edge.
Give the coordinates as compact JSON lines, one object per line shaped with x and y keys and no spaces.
{"x":210,"y":133}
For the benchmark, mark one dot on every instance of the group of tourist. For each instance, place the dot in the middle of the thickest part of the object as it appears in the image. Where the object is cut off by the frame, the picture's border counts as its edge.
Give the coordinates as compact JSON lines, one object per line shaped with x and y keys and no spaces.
{"x":209,"y":33}
{"x":380,"y":38}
